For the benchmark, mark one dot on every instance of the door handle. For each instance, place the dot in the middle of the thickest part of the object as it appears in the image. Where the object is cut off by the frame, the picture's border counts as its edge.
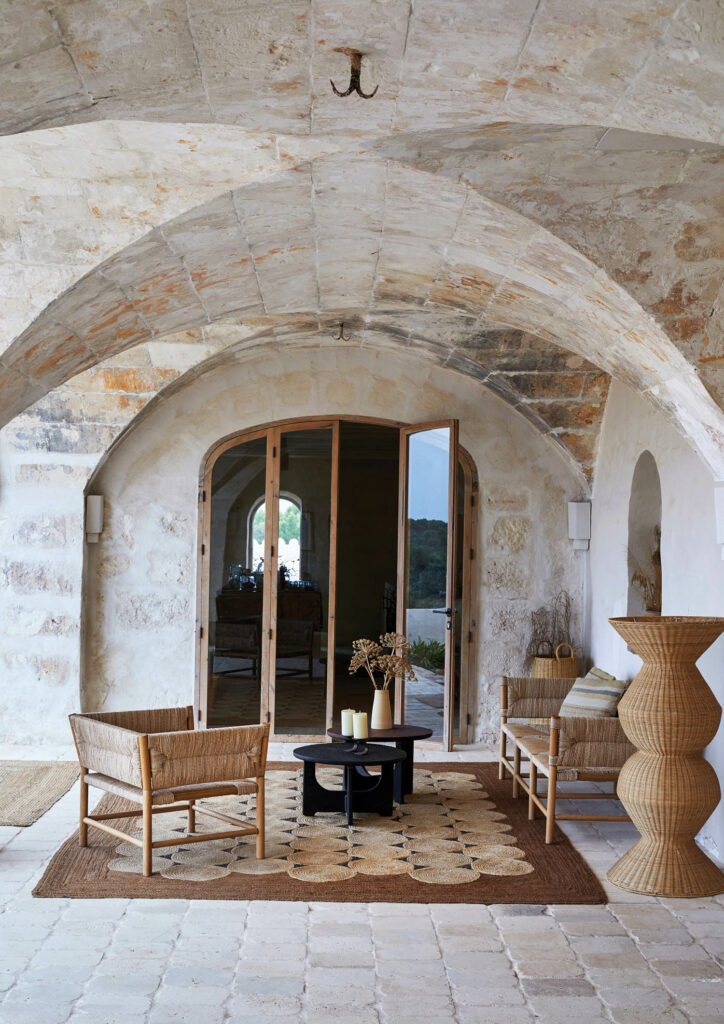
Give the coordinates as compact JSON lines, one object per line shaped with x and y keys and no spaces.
{"x":442,"y":611}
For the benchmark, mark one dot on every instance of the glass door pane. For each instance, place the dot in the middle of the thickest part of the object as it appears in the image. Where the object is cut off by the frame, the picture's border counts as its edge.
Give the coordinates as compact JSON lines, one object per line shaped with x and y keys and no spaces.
{"x":236,"y":585}
{"x":426,"y":612}
{"x":366,"y":605}
{"x":302,"y":558}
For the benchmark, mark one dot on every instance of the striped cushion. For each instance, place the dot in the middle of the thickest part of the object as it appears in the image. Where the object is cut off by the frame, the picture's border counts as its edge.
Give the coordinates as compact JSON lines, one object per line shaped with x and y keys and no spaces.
{"x":593,"y":698}
{"x":598,"y":673}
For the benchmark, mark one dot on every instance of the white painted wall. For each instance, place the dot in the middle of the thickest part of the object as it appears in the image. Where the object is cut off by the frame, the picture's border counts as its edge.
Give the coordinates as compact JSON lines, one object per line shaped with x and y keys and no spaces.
{"x":692,"y":567}
{"x":140,"y":631}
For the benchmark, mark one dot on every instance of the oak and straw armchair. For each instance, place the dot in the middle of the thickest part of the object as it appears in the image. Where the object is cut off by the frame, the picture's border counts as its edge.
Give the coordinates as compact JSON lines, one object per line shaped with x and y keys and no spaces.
{"x":570,"y":750}
{"x":158,"y":760}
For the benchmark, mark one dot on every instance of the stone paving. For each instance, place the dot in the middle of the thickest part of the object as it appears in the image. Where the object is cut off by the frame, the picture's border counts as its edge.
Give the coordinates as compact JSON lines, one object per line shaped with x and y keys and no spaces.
{"x":634,"y":961}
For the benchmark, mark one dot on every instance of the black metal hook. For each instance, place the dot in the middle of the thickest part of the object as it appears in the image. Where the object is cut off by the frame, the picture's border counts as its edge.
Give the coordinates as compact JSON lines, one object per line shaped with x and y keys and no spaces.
{"x":341,"y":336}
{"x":355,"y":69}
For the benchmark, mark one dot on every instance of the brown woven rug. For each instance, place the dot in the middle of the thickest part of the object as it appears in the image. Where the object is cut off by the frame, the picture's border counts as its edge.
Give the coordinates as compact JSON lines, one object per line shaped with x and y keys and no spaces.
{"x":29,"y":788}
{"x":459,"y":838}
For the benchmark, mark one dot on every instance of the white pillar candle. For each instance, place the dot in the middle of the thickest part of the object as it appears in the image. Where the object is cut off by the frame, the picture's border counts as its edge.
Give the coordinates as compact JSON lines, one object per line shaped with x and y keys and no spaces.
{"x":347,"y":717}
{"x":360,"y":725}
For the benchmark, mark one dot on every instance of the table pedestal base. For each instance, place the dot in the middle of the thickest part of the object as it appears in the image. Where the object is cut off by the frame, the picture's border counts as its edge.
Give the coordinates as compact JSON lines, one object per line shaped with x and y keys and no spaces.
{"x":362,"y":792}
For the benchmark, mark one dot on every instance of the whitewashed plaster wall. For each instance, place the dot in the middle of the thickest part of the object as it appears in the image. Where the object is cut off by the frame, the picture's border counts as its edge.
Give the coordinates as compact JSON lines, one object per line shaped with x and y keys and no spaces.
{"x":140,"y":629}
{"x":692,"y":567}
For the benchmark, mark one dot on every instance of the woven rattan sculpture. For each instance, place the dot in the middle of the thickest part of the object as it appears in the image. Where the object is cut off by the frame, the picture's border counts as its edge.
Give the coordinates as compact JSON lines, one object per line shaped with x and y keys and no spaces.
{"x":570,"y":750}
{"x":157,"y":759}
{"x":667,"y":787}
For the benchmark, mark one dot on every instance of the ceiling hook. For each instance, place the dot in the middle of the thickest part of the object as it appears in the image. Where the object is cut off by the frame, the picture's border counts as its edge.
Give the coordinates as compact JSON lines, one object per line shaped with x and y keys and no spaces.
{"x":355,"y":68}
{"x":341,"y":336}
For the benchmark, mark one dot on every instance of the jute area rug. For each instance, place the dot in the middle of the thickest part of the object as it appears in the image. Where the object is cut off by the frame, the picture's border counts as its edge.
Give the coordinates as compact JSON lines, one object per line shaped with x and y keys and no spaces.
{"x":459,"y":838}
{"x":29,"y":788}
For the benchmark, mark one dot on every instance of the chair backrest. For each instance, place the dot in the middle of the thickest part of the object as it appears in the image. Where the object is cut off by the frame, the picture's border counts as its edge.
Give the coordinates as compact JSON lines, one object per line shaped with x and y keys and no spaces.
{"x":207,"y":755}
{"x":529,"y":697}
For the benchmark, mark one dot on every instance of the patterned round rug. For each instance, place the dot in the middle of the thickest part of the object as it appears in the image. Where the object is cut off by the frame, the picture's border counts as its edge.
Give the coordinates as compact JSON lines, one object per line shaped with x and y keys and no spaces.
{"x":448,"y":833}
{"x":460,"y":837}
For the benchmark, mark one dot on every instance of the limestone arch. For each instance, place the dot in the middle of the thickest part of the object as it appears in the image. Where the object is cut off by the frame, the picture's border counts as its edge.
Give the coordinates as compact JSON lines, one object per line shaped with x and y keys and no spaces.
{"x":271,"y":252}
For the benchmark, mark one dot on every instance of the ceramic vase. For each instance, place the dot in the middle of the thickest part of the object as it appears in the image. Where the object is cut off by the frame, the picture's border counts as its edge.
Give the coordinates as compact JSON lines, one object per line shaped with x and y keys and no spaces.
{"x":669,"y":790}
{"x":381,"y":710}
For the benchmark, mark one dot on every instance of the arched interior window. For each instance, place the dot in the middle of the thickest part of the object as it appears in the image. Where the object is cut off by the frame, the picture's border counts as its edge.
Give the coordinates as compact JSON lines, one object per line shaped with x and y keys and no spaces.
{"x":290,"y":535}
{"x":644,"y":539}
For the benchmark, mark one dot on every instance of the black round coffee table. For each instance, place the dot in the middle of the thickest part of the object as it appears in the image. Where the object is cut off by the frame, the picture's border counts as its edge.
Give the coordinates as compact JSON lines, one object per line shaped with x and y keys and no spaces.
{"x":362,"y":791}
{"x":403,"y":736}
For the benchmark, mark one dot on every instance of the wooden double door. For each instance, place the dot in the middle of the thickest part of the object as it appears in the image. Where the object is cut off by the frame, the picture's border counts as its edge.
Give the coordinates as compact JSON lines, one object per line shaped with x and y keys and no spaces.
{"x":314,"y":533}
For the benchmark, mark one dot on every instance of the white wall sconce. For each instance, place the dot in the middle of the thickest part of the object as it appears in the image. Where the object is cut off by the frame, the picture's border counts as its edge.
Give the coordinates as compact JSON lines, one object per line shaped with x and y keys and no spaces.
{"x":719,"y":510}
{"x":579,"y":524}
{"x":93,"y":517}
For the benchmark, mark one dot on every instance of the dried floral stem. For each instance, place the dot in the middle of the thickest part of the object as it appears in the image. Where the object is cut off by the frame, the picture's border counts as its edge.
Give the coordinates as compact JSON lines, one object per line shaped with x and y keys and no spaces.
{"x":388,"y":657}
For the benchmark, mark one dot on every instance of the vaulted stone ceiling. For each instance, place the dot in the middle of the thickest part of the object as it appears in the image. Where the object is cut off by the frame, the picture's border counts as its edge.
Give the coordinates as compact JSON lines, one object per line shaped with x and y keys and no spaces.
{"x":547,"y":108}
{"x":266,"y":64}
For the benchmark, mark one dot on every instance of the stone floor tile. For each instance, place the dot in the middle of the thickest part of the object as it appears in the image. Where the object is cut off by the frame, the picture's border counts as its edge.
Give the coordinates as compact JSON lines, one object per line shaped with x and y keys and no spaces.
{"x":107,"y":1015}
{"x":623,"y":994}
{"x":183,"y":1014}
{"x":539,"y":968}
{"x":122,"y":1003}
{"x":339,"y":1013}
{"x":199,"y":996}
{"x":646,"y":1015}
{"x":190,"y":976}
{"x":244,"y":1006}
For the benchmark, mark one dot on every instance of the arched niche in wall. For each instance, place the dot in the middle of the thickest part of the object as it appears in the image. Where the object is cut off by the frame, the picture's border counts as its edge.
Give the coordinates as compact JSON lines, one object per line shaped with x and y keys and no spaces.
{"x":644,"y":539}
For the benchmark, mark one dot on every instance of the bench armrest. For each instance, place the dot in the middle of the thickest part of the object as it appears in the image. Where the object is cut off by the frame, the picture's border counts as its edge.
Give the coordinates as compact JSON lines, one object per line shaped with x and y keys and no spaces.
{"x":592,"y":743}
{"x":108,"y":749}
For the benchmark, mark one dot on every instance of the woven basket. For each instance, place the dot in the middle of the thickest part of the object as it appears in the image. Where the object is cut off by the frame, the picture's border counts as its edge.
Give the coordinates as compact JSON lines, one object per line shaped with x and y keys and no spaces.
{"x":553,"y":666}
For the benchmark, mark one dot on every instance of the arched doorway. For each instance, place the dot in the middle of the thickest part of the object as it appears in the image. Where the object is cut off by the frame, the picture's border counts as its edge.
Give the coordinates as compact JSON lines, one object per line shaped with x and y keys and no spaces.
{"x":318,"y":532}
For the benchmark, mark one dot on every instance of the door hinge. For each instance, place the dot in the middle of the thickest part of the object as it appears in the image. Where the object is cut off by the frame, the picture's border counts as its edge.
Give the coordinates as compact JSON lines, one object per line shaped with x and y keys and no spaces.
{"x":268,"y":716}
{"x":470,"y":636}
{"x":272,"y":551}
{"x":472,"y":554}
{"x":201,"y":632}
{"x":274,"y":452}
{"x":468,"y":719}
{"x":198,"y":714}
{"x":203,"y":550}
{"x":202,"y":496}
{"x":270,"y":634}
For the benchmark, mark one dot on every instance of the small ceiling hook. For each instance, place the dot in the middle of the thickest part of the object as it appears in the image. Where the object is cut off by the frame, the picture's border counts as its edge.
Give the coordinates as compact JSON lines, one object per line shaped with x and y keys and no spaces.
{"x":341,"y":336}
{"x":355,"y":69}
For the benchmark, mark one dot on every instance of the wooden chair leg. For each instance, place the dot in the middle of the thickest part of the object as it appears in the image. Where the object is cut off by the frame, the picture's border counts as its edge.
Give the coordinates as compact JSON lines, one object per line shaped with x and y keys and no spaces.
{"x":551,"y":805}
{"x":503,"y":753}
{"x":192,"y":817}
{"x":532,"y":790}
{"x":147,"y":833}
{"x":83,"y":828}
{"x":260,"y":818}
{"x":516,"y":769}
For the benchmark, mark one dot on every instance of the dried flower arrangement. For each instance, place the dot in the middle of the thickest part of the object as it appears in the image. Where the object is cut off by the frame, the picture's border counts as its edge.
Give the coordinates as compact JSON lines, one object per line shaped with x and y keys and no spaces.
{"x":550,"y":626}
{"x":388,"y":657}
{"x":647,"y":578}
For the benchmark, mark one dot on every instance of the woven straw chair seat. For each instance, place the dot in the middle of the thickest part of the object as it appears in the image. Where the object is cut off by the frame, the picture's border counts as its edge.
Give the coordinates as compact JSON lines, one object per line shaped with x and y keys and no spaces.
{"x":533,"y":741}
{"x":170,"y":796}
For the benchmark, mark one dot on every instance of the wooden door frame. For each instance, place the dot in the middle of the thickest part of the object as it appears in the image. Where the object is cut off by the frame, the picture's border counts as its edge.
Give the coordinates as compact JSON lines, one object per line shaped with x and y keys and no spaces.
{"x":276,"y":428}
